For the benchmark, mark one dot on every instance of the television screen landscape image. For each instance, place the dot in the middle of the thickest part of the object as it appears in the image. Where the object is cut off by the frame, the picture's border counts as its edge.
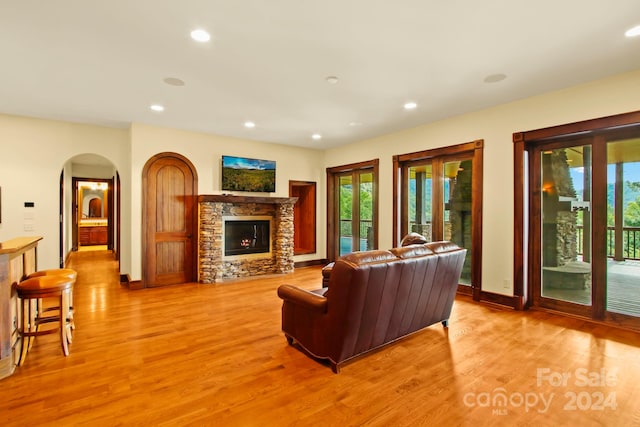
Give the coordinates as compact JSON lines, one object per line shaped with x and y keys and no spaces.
{"x":244,"y":174}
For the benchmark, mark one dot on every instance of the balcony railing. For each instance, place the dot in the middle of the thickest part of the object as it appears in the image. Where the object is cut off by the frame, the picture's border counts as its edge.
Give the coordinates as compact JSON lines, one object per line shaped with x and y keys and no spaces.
{"x":630,"y":238}
{"x":630,"y":243}
{"x":345,"y":227}
{"x":364,"y":227}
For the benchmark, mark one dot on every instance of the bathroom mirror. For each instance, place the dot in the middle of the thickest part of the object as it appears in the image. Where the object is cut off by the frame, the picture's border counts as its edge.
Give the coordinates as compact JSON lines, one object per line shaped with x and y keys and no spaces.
{"x":92,"y":200}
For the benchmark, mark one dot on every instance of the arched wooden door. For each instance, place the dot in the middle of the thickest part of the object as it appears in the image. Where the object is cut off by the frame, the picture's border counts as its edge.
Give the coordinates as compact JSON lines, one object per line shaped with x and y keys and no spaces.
{"x":169,"y":220}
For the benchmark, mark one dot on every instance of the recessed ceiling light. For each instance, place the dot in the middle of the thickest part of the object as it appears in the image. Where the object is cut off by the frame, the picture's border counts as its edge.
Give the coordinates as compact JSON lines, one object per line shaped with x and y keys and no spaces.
{"x":495,"y":78}
{"x":200,"y":35}
{"x":633,"y":32}
{"x":316,"y":136}
{"x":332,"y":80}
{"x":173,"y":81}
{"x":354,"y":124}
{"x":157,"y":108}
{"x":249,"y":124}
{"x":410,"y":106}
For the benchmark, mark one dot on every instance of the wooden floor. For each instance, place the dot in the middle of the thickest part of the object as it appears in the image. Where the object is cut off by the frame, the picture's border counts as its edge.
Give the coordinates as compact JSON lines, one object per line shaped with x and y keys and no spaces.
{"x":214,"y":355}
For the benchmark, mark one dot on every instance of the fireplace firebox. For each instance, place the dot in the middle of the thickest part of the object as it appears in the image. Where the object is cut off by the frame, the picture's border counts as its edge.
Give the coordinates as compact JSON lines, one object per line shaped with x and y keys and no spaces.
{"x":246,"y":236}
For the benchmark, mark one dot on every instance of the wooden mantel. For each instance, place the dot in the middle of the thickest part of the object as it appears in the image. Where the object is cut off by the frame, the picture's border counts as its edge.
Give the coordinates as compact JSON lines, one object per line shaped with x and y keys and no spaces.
{"x":228,"y":198}
{"x":17,"y":259}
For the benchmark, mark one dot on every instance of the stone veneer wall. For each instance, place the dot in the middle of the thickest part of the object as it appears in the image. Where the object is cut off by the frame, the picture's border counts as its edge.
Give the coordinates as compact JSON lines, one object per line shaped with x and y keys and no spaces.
{"x":213,"y":268}
{"x":560,"y":222}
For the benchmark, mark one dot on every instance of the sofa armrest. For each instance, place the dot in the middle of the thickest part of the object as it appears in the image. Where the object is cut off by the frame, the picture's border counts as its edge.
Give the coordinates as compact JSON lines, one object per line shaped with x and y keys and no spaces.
{"x":302,"y":297}
{"x":326,"y":274}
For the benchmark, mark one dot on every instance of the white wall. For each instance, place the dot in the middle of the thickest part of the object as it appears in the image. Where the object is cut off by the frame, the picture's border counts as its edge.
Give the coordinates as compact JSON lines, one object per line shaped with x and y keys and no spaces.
{"x":619,"y":94}
{"x":34,"y":153}
{"x":92,"y":171}
{"x":205,"y":152}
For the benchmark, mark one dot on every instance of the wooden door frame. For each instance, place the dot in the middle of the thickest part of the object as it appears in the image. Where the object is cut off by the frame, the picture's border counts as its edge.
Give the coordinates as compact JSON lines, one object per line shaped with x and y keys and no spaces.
{"x":146,"y":238}
{"x":74,"y":210}
{"x":400,"y":198}
{"x":523,"y":142}
{"x":333,"y":222}
{"x":118,"y":187}
{"x":61,"y":205}
{"x":535,"y":264}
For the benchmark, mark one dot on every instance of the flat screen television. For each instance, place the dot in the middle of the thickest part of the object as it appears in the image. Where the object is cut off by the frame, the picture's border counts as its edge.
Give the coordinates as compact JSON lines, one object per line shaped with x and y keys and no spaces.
{"x":244,"y":174}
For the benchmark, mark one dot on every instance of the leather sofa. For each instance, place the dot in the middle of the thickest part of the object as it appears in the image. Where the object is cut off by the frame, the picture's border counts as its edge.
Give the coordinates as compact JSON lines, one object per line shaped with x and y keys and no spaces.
{"x":373,"y":298}
{"x":409,"y":239}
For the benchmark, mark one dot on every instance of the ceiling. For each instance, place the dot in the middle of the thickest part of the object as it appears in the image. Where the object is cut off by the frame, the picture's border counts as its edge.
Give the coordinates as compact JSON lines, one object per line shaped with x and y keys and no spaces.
{"x":105,"y":62}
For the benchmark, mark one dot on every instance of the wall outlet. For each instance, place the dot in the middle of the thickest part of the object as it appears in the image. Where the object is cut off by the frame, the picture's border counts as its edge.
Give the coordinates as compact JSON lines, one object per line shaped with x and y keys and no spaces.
{"x":506,"y":284}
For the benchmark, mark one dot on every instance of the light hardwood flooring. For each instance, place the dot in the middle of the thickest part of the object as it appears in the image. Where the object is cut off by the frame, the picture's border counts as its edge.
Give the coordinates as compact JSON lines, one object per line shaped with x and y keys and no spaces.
{"x":214,"y":355}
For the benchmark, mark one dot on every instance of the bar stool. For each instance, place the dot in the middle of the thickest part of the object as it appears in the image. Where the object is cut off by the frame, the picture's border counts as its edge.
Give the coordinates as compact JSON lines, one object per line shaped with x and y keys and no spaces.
{"x":65,"y":272}
{"x":31,"y":292}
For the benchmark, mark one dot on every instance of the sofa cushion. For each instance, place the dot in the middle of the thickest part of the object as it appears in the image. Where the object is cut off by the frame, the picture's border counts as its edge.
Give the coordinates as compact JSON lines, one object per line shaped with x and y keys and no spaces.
{"x":442,"y":247}
{"x":366,"y":257}
{"x":412,"y":251}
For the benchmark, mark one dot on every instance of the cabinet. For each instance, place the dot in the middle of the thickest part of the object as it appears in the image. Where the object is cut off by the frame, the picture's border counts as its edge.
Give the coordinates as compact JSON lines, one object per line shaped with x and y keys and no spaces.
{"x":17,"y":260}
{"x":93,"y":235}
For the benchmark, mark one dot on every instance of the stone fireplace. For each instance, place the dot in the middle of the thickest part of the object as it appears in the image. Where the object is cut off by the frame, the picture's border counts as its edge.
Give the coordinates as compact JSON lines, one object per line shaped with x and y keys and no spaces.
{"x":258,"y":221}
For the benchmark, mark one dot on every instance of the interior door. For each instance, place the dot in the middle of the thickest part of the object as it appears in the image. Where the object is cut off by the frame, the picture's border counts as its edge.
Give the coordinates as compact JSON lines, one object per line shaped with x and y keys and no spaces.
{"x":169,"y":220}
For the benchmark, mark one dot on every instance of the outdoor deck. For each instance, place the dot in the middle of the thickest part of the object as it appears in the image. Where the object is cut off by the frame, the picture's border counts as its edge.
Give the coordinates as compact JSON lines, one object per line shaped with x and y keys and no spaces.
{"x":623,"y":289}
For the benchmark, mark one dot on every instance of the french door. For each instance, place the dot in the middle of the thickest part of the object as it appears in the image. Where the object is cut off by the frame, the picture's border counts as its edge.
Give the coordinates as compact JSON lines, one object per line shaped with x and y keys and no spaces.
{"x":352,"y":208}
{"x":584,"y":222}
{"x":440,"y":198}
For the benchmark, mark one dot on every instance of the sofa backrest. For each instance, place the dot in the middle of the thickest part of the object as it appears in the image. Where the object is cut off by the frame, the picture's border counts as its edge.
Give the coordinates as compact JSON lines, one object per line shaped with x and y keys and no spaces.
{"x":377,"y":296}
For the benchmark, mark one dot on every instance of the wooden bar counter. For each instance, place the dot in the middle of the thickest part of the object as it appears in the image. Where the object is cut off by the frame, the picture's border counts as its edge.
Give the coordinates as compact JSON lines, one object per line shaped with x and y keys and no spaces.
{"x":18,"y":257}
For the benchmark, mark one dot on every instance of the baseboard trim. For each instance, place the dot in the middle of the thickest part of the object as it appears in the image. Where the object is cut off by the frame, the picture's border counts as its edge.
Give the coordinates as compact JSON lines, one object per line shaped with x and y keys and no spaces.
{"x":310,"y":263}
{"x":506,"y":300}
{"x":125,"y":280}
{"x":136,"y":284}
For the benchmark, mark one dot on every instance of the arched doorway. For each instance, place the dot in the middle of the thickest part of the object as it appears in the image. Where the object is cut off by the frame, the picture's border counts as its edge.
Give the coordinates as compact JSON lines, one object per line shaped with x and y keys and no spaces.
{"x":169,"y":219}
{"x":95,"y":213}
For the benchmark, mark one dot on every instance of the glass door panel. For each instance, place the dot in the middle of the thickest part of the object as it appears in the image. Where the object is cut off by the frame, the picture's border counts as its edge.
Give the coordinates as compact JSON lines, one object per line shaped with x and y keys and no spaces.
{"x":356,"y":212}
{"x":457,"y":218}
{"x":623,"y":228}
{"x":345,"y":208}
{"x":365,"y":239}
{"x":352,"y":206}
{"x":566,"y":224}
{"x":420,"y":200}
{"x":438,"y":194}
